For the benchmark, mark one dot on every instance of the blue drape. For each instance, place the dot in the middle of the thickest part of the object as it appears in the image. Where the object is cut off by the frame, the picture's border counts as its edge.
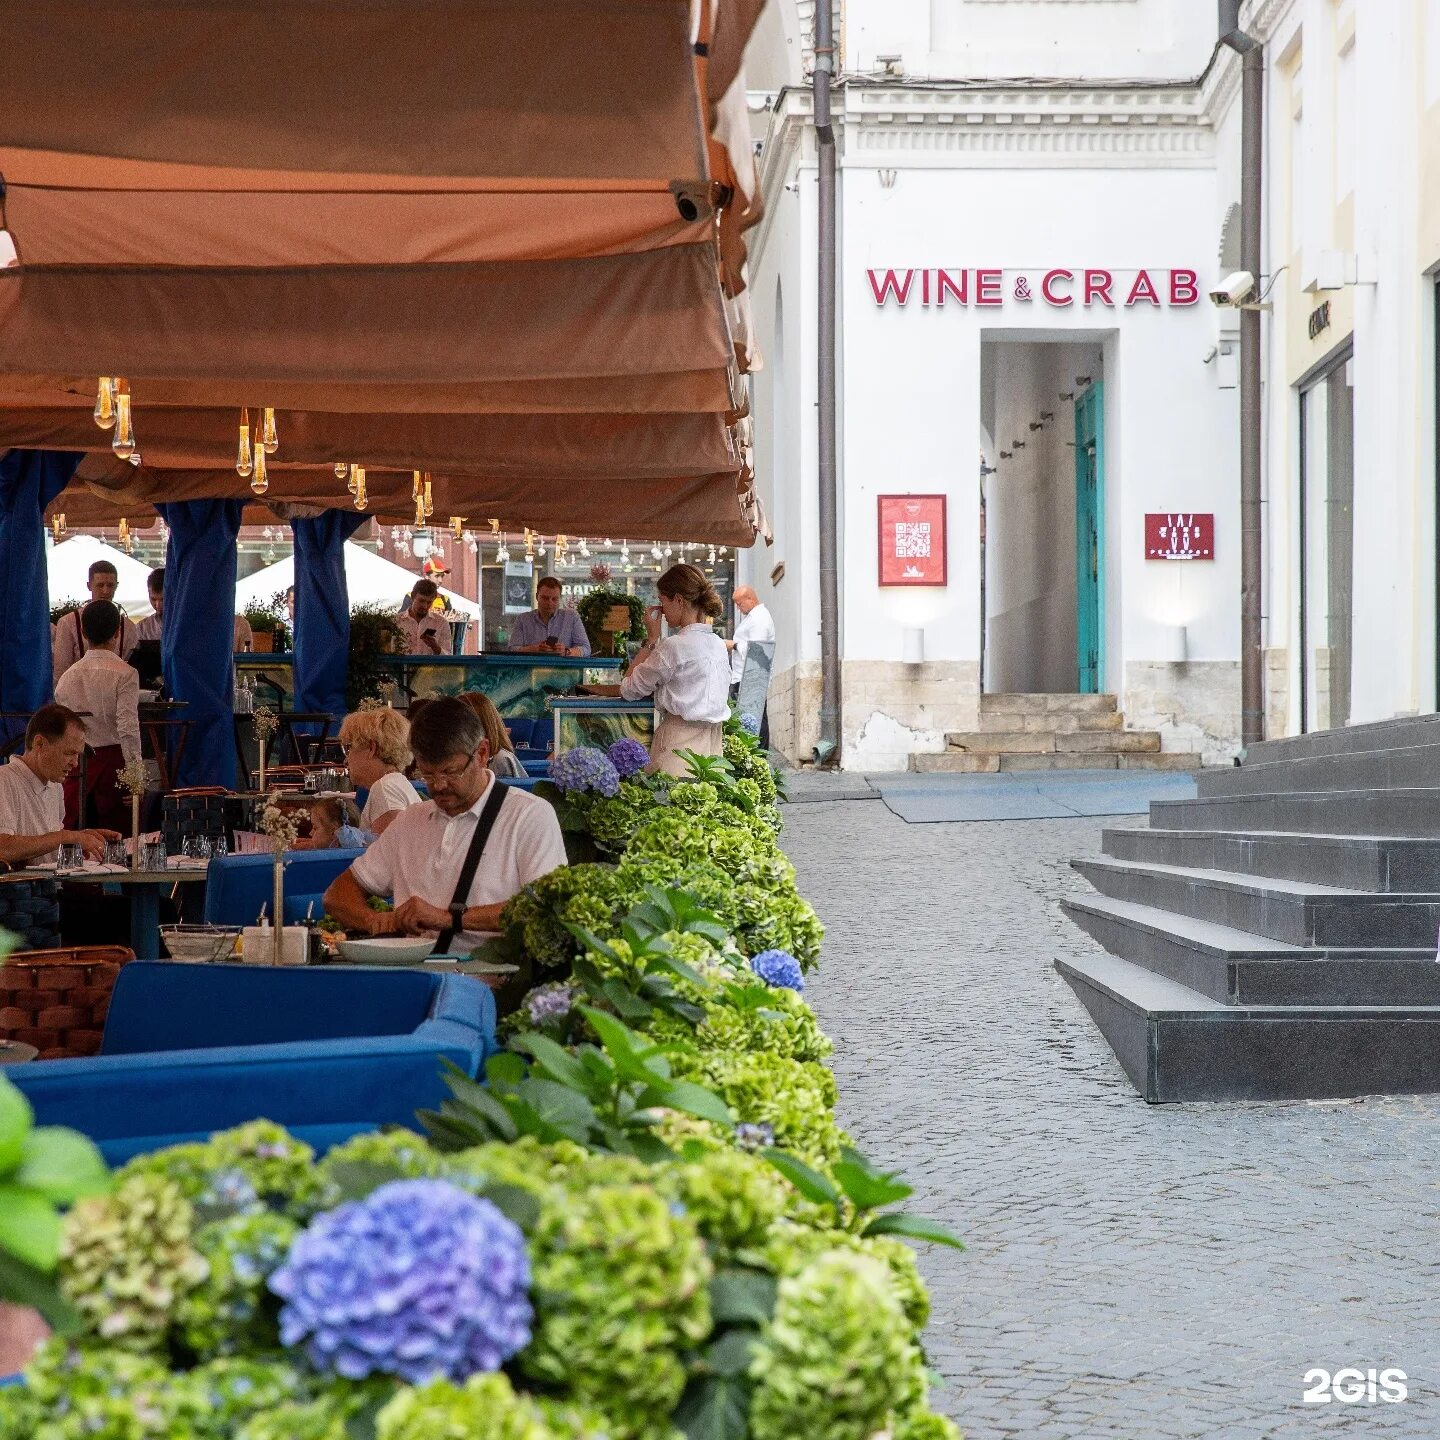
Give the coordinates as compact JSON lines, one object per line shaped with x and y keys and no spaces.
{"x":29,"y":481}
{"x":322,"y":610}
{"x":200,"y":632}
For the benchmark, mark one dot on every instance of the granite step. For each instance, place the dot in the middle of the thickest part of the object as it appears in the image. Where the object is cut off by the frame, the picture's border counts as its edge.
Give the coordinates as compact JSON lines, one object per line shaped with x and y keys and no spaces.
{"x":1391,"y":769}
{"x":1403,"y":732}
{"x":1045,"y":704}
{"x":1238,"y":968}
{"x":1286,"y":910}
{"x":1413,"y":811}
{"x":1391,"y":864}
{"x":1176,"y":1044}
{"x":1046,"y":742}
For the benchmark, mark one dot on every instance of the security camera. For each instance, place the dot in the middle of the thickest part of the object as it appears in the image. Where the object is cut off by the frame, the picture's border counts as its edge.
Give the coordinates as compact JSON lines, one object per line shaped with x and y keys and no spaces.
{"x":1235,"y":289}
{"x":694,"y":200}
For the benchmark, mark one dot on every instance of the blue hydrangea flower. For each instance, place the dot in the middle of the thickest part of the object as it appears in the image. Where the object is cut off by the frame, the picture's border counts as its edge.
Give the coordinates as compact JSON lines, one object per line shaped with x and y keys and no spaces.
{"x":629,"y":757}
{"x":750,"y":724}
{"x":418,"y":1280}
{"x":757,"y":1136}
{"x":585,"y":768}
{"x":550,"y":1002}
{"x":780,"y":969}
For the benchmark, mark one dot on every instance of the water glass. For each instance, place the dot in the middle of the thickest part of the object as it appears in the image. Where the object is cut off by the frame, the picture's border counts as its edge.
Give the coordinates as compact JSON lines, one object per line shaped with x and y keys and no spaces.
{"x":115,"y":853}
{"x":72,"y":857}
{"x":153,"y":855}
{"x":195,"y":847}
{"x":219,"y":848}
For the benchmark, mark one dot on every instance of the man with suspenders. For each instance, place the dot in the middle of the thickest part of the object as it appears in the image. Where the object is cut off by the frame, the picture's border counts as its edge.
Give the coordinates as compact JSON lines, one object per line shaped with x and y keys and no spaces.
{"x":68,"y":644}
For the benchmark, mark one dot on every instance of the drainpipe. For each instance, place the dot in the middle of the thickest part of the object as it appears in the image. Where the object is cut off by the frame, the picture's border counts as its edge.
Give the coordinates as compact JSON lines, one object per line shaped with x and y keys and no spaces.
{"x":827,"y":752}
{"x":1252,"y":122}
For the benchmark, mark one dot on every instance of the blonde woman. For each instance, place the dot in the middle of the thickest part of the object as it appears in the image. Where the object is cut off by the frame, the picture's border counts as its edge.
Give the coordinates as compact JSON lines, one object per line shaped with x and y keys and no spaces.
{"x":376,"y":744}
{"x":503,"y":760}
{"x":687,"y":672}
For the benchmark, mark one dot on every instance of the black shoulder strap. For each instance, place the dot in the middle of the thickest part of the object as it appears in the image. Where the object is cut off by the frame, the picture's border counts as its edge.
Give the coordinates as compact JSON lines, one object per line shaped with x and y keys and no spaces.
{"x":478,"y":842}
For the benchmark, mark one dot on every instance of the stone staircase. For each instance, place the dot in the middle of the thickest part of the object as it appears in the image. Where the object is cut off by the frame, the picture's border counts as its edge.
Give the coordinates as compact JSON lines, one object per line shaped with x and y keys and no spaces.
{"x":1275,"y":937}
{"x":1050,"y":732}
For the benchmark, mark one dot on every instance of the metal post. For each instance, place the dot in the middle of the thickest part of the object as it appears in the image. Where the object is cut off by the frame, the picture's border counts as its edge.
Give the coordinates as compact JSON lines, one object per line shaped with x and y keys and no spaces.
{"x":827,"y":751}
{"x":1252,"y":199}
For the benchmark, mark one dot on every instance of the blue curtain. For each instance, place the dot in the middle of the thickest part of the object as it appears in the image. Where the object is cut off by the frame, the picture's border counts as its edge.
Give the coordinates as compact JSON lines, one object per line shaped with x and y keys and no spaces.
{"x":200,"y":632}
{"x":322,"y":610}
{"x":29,"y":481}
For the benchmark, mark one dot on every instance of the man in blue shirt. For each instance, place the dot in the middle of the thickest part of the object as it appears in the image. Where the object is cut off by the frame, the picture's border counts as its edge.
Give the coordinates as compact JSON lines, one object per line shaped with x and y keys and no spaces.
{"x":547,"y":629}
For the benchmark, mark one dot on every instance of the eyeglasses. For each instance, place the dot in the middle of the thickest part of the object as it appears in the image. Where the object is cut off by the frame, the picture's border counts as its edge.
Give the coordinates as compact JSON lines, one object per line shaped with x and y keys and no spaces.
{"x":431,"y":776}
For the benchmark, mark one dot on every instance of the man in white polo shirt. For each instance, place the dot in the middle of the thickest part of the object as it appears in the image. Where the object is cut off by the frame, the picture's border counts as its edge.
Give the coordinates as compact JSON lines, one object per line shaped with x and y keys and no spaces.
{"x":32,"y":795}
{"x":421,"y":857}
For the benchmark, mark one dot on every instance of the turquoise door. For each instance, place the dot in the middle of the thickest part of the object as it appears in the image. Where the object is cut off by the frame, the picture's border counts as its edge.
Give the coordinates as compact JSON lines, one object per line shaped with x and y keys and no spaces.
{"x":1090,"y":540}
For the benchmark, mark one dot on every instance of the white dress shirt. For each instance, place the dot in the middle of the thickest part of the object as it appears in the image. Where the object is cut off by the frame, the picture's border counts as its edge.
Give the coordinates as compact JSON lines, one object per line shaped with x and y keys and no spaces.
{"x":29,"y":805}
{"x":152,"y":627}
{"x":688,"y":673}
{"x":757,"y":625}
{"x":422,"y":850}
{"x":68,"y":644}
{"x":103,"y":685}
{"x":413,"y":629}
{"x":390,"y":792}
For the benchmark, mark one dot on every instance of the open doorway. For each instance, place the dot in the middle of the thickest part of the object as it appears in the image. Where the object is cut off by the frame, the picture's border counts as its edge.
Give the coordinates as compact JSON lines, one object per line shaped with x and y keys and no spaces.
{"x":1043,"y":444}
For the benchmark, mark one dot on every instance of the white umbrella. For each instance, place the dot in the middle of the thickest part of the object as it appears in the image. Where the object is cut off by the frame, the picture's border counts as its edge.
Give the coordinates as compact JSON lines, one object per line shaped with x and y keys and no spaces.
{"x":68,"y":566}
{"x":369,"y":578}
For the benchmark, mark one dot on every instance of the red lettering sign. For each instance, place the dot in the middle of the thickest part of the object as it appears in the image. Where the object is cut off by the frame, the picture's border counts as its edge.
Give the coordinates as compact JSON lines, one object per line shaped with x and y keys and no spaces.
{"x":1047,"y":287}
{"x":1143,"y":289}
{"x":1057,"y":287}
{"x":1184,"y":287}
{"x":1180,"y":537}
{"x":987,"y":287}
{"x":960,"y":290}
{"x":912,"y":540}
{"x":890,"y":286}
{"x":1097,"y":287}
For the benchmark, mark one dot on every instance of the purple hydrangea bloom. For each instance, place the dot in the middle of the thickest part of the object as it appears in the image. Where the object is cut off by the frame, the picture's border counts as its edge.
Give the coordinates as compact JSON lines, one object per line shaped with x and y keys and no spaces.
{"x":629,"y":757}
{"x":757,"y":1136}
{"x":585,"y":768}
{"x":780,"y":969}
{"x":418,"y":1280}
{"x":750,"y":724}
{"x":550,"y":1002}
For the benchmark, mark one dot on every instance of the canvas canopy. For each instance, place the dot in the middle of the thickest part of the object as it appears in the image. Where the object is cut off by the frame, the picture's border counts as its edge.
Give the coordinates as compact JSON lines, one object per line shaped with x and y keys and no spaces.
{"x":370,"y":579}
{"x":67,"y":567}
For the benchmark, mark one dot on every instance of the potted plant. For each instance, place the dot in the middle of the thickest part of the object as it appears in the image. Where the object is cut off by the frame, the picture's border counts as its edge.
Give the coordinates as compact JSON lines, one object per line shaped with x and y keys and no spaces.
{"x":263,"y":623}
{"x":371,"y":628}
{"x":595,"y":610}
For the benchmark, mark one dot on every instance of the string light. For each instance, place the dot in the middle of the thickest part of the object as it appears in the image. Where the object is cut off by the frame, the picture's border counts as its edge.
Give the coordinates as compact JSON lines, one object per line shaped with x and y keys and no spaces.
{"x":502,"y":552}
{"x":352,"y":483}
{"x":268,"y":438}
{"x":417,"y":490}
{"x":260,"y":483}
{"x":420,"y":512}
{"x":429,"y":497}
{"x":342,"y":469}
{"x":58,"y":526}
{"x":244,"y":459}
{"x":361,"y":500}
{"x":457,"y":526}
{"x":124,"y":442}
{"x":105,"y":403}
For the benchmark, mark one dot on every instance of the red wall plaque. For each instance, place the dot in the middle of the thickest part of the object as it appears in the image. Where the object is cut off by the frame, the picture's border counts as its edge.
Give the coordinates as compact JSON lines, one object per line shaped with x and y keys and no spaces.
{"x":912,"y":540}
{"x":1180,"y":537}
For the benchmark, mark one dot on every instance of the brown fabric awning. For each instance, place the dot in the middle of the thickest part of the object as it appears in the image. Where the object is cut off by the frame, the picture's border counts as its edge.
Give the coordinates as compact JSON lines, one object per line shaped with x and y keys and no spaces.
{"x":539,"y":446}
{"x":563,"y":89}
{"x":407,"y":325}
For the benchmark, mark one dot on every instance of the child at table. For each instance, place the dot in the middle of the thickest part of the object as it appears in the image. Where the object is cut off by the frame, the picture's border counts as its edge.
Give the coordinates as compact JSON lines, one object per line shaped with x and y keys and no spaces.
{"x":335,"y":825}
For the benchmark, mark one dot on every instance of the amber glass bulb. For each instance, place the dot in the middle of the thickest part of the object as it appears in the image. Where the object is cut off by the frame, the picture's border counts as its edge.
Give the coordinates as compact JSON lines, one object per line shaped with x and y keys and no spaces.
{"x":244,"y":459}
{"x":105,"y":403}
{"x":261,"y":481}
{"x":124,"y":442}
{"x":268,"y":438}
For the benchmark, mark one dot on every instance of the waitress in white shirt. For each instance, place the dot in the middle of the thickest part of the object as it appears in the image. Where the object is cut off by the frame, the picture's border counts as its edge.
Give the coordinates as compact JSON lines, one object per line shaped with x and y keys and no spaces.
{"x":687,"y":672}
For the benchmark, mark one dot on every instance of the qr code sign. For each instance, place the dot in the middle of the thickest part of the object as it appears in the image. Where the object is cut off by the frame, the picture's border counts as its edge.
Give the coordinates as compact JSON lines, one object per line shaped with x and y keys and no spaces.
{"x":912,"y":540}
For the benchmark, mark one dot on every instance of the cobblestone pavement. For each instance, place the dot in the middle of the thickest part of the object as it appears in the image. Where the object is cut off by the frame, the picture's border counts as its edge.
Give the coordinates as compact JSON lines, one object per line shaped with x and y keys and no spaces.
{"x":1131,"y":1270}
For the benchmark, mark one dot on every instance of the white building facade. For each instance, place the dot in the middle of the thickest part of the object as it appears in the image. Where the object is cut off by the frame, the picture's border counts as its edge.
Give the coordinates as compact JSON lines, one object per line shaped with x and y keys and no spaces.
{"x":1025,"y":330}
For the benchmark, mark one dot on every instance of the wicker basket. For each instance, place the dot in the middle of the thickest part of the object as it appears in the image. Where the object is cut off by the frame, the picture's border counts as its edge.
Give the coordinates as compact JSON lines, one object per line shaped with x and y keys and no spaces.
{"x":57,"y":1000}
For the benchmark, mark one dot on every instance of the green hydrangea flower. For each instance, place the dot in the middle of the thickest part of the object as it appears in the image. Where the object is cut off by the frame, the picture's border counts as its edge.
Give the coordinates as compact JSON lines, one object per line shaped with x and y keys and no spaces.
{"x":620,"y":1282}
{"x":226,"y":1314}
{"x":281,"y":1168}
{"x":214,"y":1400}
{"x":615,"y":820}
{"x":785,"y":1026}
{"x":401,"y":1150}
{"x":324,"y":1416}
{"x":485,"y":1407}
{"x":926,"y":1425}
{"x":749,"y":763}
{"x":584,"y":895}
{"x":837,"y":1359}
{"x":190,"y":1168}
{"x":796,"y":1098}
{"x":694,"y":797}
{"x":77,"y":1393}
{"x":733,"y":1198}
{"x":126,"y":1261}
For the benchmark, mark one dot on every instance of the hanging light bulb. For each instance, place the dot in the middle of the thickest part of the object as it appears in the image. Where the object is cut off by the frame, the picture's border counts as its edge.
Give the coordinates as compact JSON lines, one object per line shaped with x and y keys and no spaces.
{"x":124,"y":532}
{"x":105,"y":403}
{"x":711,"y":558}
{"x":420,"y":513}
{"x":268,"y":438}
{"x":260,"y":481}
{"x":361,"y":499}
{"x":57,"y":526}
{"x":244,"y":459}
{"x":584,"y":549}
{"x":394,"y":534}
{"x":655,"y":551}
{"x":352,"y":477}
{"x":473,"y":543}
{"x":457,"y":526}
{"x":494,"y":527}
{"x":502,"y":552}
{"x":124,"y":442}
{"x":342,"y":469}
{"x":429,"y":496}
{"x":607,"y":544}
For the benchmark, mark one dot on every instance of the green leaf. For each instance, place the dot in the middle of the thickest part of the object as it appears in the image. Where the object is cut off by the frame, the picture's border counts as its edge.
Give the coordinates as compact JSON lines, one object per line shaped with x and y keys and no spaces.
{"x":16,"y":1118}
{"x":29,"y":1227}
{"x":560,"y":1108}
{"x":515,"y":1203}
{"x":912,"y":1227}
{"x":693,"y":1099}
{"x":730,"y":1353}
{"x":868,"y":1189}
{"x":598,"y":1064}
{"x":715,"y":1408}
{"x":556,"y":1061}
{"x":810,"y":1183}
{"x":447,"y":1134}
{"x":22,"y":1284}
{"x":506,"y":1068}
{"x":625,"y":1001}
{"x":621,"y":1044}
{"x":62,"y":1165}
{"x":486,"y":1112}
{"x":358,"y":1178}
{"x":362,"y":1424}
{"x":743,"y":1297}
{"x":649,"y":1147}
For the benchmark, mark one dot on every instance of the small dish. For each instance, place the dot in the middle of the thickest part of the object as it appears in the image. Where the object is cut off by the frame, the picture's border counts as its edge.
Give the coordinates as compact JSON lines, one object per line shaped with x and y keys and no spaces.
{"x":387,"y":950}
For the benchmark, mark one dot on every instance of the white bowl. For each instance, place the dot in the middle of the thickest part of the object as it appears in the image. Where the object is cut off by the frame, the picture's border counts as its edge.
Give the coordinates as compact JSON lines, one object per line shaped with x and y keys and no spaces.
{"x":387,"y":950}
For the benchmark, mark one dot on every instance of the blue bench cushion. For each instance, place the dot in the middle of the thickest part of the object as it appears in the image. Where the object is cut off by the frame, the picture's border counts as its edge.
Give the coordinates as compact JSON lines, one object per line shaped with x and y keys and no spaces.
{"x":236,"y":886}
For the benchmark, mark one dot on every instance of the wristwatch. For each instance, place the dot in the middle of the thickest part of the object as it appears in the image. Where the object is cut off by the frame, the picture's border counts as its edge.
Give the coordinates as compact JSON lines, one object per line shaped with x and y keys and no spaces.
{"x":457,"y":917}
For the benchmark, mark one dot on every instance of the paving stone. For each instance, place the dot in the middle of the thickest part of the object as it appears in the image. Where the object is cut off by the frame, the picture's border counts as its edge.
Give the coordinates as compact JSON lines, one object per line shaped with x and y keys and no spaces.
{"x":1131,"y":1271}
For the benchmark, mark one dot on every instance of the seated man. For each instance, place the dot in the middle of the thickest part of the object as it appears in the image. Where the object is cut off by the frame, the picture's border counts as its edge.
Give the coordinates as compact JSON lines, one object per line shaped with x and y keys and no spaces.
{"x":103,"y":689}
{"x":31,"y":798}
{"x":424,"y":632}
{"x":547,"y":629}
{"x":505,"y":839}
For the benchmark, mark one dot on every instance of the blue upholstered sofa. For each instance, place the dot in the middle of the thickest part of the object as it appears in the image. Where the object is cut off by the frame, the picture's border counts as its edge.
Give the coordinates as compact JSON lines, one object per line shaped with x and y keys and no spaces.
{"x":328,"y":1052}
{"x":238,"y":885}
